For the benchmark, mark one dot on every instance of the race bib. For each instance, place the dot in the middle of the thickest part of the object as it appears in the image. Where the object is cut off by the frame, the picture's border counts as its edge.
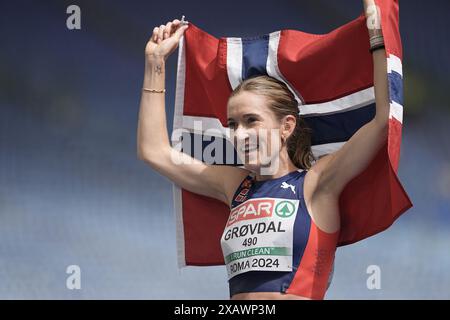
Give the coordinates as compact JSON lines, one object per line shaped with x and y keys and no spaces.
{"x":259,"y":236}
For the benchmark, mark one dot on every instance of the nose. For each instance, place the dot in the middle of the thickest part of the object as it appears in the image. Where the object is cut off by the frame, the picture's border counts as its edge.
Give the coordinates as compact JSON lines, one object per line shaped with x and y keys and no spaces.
{"x":240,"y":135}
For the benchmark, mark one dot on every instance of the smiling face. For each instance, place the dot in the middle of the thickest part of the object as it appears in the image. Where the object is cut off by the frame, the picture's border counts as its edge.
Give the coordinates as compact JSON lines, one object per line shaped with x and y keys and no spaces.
{"x":255,"y":130}
{"x":266,"y":127}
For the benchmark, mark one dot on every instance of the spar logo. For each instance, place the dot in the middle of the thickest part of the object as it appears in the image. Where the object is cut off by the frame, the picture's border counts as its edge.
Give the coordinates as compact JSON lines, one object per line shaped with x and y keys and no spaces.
{"x":285,"y":209}
{"x":252,"y":209}
{"x":262,"y":208}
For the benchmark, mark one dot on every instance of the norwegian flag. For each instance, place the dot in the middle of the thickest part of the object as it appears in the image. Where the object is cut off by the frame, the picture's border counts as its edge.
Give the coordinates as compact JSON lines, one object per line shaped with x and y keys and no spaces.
{"x":331,"y":76}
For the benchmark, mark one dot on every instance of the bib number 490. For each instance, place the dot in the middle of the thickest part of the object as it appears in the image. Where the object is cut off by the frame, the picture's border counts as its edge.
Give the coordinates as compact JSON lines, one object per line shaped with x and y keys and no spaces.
{"x":250,"y":242}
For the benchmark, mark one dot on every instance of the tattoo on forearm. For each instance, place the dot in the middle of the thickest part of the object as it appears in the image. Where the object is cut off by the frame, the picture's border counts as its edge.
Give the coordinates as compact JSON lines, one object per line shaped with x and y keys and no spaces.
{"x":158,"y":69}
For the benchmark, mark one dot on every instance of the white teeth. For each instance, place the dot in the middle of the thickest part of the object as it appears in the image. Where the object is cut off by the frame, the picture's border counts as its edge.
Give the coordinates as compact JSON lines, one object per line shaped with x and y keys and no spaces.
{"x":249,"y":148}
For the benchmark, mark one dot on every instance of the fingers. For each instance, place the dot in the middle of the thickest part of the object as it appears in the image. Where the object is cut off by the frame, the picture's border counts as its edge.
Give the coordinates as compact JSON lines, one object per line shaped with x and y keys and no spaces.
{"x":368,"y":4}
{"x":171,"y":28}
{"x":166,"y":31}
{"x":180,"y":31}
{"x":155,"y":34}
{"x":161,"y":33}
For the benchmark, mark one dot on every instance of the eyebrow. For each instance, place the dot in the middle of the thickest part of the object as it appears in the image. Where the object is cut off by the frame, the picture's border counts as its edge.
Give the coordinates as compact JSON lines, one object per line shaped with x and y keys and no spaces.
{"x":247,"y":115}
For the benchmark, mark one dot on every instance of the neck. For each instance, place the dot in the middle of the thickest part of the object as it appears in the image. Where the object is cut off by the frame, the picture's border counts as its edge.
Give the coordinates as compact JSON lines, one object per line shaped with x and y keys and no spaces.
{"x":285,"y":166}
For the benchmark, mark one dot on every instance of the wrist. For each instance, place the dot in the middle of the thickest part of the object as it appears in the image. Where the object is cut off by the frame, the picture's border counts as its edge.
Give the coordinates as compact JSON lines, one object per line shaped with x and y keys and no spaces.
{"x":375,"y":33}
{"x":376,"y":40}
{"x":156,"y":67}
{"x":154,"y":74}
{"x":152,"y":60}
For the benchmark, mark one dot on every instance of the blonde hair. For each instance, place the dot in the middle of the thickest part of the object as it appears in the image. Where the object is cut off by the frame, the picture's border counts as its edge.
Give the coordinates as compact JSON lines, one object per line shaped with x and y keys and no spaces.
{"x":281,"y":102}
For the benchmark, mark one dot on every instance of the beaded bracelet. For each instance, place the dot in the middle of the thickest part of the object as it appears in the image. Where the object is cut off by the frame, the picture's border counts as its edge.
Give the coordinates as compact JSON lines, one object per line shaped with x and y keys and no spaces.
{"x":154,"y":90}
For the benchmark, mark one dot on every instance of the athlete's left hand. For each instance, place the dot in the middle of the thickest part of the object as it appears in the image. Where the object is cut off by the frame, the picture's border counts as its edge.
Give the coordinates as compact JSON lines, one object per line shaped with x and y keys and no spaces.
{"x":373,"y":16}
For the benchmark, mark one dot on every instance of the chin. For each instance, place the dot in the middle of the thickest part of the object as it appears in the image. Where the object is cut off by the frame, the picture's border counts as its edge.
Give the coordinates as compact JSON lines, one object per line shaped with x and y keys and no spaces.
{"x":250,"y":162}
{"x":255,"y":165}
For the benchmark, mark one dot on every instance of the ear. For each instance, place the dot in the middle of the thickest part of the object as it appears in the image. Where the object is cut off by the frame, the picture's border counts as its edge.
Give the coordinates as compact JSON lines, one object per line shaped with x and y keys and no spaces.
{"x":288,"y":126}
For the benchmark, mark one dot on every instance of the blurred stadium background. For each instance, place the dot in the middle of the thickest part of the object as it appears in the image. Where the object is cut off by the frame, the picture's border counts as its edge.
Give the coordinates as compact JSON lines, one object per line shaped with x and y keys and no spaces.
{"x":73,"y":192}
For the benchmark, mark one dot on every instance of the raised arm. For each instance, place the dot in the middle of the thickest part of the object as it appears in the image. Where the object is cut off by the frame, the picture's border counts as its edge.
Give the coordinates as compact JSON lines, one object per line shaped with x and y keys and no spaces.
{"x":337,"y":169}
{"x":153,"y":144}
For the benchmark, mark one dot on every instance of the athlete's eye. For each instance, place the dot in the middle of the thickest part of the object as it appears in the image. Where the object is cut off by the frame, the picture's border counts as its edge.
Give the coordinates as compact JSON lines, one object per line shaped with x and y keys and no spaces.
{"x":231,"y":124}
{"x":251,"y":119}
